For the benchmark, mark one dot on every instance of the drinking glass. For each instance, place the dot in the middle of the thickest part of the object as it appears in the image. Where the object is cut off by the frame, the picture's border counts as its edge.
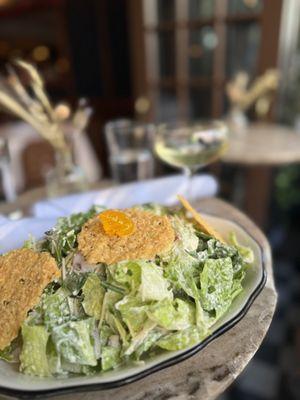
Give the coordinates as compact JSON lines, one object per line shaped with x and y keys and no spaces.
{"x":191,"y":146}
{"x":7,"y":185}
{"x":130,"y":150}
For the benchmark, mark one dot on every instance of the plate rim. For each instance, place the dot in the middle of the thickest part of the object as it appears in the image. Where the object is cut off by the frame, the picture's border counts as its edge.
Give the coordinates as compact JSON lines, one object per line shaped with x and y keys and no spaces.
{"x":46,"y":393}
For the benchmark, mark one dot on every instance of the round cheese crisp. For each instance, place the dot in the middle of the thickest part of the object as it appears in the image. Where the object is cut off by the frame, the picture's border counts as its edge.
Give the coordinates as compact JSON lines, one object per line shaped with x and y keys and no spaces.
{"x":152,"y":235}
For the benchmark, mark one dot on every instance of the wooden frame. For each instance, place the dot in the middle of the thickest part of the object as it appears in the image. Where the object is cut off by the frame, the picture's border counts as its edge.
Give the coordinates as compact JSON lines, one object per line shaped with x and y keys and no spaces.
{"x":144,"y":47}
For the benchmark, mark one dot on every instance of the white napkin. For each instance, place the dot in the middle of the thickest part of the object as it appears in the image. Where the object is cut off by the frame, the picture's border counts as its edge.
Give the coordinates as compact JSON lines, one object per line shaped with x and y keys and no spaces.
{"x":161,"y":190}
{"x":14,"y":233}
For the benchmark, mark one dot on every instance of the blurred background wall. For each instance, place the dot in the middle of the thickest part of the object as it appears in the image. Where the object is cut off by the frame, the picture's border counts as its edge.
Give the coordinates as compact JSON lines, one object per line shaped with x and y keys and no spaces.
{"x":157,"y":60}
{"x":161,"y":60}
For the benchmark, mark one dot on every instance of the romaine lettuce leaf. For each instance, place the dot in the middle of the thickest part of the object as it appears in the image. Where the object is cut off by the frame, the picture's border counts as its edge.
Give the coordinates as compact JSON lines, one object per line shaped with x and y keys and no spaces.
{"x":203,"y":319}
{"x":115,"y":323}
{"x":93,"y":294}
{"x":74,"y":281}
{"x":140,"y":337}
{"x":181,"y":339}
{"x":74,"y":341}
{"x":33,"y":356}
{"x":110,"y":357}
{"x":105,"y":333}
{"x":88,"y":370}
{"x":181,"y":269}
{"x":111,"y":298}
{"x":236,"y":288}
{"x":54,"y":359}
{"x":153,"y":285}
{"x":185,"y":234}
{"x":217,"y":249}
{"x":127,"y":273}
{"x":109,"y":301}
{"x":61,"y":240}
{"x":173,"y":315}
{"x":5,"y":354}
{"x":76,"y":308}
{"x":246,"y":252}
{"x":133,"y":313}
{"x":12,"y":352}
{"x":56,"y":309}
{"x":148,"y":342}
{"x":216,"y":281}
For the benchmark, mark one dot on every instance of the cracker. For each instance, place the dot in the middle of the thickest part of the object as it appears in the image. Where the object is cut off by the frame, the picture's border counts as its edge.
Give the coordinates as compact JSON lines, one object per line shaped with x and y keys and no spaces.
{"x":24,"y":274}
{"x":153,"y":235}
{"x":204,"y":226}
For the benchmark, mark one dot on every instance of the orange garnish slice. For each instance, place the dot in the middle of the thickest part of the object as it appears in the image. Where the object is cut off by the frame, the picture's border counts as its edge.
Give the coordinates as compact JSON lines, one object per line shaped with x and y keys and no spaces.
{"x":116,"y":223}
{"x":205,"y":227}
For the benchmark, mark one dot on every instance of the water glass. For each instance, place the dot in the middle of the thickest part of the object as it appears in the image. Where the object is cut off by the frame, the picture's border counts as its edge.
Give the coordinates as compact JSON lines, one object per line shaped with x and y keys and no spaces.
{"x":130,"y":150}
{"x":7,"y":185}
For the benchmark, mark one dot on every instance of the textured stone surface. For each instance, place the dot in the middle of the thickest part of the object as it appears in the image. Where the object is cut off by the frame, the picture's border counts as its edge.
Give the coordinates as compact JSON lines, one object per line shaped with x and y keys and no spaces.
{"x":263,"y":144}
{"x":208,"y":373}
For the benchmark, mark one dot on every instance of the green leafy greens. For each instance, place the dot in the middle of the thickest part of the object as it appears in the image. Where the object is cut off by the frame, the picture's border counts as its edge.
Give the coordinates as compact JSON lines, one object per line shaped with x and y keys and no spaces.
{"x":107,"y":316}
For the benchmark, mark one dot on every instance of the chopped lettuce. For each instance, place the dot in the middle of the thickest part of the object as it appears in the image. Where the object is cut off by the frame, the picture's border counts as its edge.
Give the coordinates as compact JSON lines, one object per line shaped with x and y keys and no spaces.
{"x":153,"y":285}
{"x":173,"y":315}
{"x":12,"y":352}
{"x":118,"y":327}
{"x":143,"y":277}
{"x":149,"y":342}
{"x":5,"y":354}
{"x":33,"y":357}
{"x":74,"y":341}
{"x":56,"y":308}
{"x":109,"y":300}
{"x":93,"y":294}
{"x":216,"y":284}
{"x":186,"y":234}
{"x":70,"y":368}
{"x":180,"y":268}
{"x":133,"y":313}
{"x":181,"y":339}
{"x":54,"y":359}
{"x":203,"y":319}
{"x":61,"y":240}
{"x":128,"y":274}
{"x":140,"y":337}
{"x":216,"y":249}
{"x":105,"y":333}
{"x":245,"y":252}
{"x":74,"y":282}
{"x":110,"y":357}
{"x":236,"y":288}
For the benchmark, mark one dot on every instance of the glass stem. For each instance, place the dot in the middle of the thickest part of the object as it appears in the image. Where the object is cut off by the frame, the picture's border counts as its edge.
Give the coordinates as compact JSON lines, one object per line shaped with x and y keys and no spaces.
{"x":188,"y":173}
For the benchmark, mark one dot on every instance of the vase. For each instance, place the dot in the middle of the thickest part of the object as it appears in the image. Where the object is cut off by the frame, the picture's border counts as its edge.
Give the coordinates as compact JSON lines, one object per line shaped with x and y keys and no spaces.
{"x":65,"y":177}
{"x":237,"y":121}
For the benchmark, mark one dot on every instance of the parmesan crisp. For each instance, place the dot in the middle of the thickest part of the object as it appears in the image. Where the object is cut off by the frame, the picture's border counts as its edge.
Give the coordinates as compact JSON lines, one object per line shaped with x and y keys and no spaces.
{"x":24,"y":274}
{"x":153,"y":235}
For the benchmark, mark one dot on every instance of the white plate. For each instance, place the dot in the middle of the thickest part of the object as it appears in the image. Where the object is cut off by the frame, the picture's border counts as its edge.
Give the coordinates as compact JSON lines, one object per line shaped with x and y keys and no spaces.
{"x":14,"y":383}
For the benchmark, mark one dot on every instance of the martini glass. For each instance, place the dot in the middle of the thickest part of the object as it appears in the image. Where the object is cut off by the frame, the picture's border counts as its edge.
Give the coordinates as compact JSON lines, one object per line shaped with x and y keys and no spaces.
{"x":190,"y":147}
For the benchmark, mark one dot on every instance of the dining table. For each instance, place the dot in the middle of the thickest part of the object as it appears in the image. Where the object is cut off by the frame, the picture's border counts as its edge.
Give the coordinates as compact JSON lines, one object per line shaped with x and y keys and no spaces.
{"x":208,"y":373}
{"x":257,"y":150}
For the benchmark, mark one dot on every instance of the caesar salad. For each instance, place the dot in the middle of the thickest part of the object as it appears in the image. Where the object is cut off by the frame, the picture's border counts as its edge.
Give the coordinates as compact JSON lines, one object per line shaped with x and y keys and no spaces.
{"x":109,"y":288}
